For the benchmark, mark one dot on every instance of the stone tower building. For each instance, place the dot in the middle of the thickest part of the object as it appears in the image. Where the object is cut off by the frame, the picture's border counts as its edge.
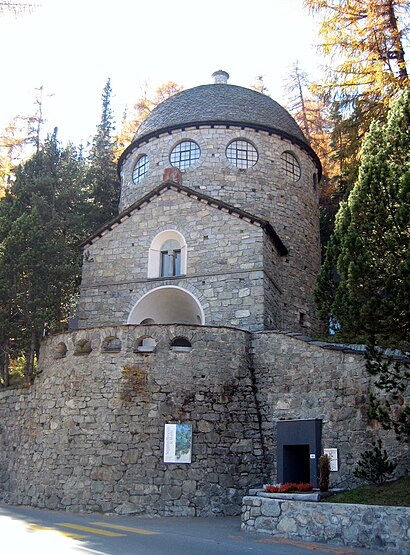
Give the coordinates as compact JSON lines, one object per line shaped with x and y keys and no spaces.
{"x":218,"y":219}
{"x":194,"y":316}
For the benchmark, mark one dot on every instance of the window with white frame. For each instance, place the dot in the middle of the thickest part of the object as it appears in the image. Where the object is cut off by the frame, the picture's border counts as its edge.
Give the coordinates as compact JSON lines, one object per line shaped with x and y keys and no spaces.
{"x":167,"y":255}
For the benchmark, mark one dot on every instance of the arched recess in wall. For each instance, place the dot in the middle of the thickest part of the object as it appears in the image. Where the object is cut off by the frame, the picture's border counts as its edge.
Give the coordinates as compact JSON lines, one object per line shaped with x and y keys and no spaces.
{"x":168,"y":305}
{"x":159,"y":254}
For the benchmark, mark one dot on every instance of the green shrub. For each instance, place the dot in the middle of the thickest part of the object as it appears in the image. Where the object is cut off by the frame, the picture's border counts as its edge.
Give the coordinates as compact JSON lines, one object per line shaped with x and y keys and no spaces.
{"x":374,"y":466}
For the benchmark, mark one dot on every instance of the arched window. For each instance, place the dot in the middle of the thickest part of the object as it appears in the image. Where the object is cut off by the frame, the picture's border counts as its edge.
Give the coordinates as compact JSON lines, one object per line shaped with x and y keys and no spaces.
{"x":145,"y":344}
{"x":82,"y":347}
{"x":181,"y":344}
{"x":111,"y":345}
{"x":140,"y":169}
{"x":167,"y":255}
{"x":290,"y":166}
{"x":60,"y":351}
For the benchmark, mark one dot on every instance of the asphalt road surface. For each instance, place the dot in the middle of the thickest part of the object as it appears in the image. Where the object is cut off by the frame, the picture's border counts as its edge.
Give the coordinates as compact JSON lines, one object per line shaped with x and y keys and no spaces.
{"x":28,"y":531}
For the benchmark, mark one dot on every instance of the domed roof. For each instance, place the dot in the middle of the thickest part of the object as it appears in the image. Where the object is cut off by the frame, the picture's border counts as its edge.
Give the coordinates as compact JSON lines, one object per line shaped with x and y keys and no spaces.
{"x":220,"y":103}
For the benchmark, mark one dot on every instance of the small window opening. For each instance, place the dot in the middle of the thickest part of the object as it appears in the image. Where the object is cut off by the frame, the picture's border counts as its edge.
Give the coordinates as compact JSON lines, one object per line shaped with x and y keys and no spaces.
{"x":181,"y":344}
{"x":111,"y":345}
{"x":315,"y":182}
{"x":60,"y":350}
{"x":145,"y":345}
{"x":302,"y":316}
{"x":82,"y":347}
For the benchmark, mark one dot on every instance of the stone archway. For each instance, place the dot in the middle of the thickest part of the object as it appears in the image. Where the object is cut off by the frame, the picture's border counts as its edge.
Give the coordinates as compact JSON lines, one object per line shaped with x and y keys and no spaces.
{"x":168,"y":305}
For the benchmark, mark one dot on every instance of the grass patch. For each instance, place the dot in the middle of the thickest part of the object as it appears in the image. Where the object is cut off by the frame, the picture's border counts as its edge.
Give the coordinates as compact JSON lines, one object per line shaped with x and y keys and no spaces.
{"x":395,"y":494}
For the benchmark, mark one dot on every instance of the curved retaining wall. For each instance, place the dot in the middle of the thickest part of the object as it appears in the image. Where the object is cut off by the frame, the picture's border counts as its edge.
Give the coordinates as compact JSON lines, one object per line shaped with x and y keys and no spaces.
{"x":88,"y":435}
{"x":367,"y":526}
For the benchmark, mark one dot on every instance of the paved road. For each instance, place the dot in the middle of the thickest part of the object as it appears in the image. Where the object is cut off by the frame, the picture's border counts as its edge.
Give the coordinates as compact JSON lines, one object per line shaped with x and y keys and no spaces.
{"x":27,"y":531}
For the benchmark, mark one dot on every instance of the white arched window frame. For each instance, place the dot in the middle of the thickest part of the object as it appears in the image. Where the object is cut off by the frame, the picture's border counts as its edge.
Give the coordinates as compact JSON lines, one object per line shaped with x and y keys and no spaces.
{"x":154,"y":255}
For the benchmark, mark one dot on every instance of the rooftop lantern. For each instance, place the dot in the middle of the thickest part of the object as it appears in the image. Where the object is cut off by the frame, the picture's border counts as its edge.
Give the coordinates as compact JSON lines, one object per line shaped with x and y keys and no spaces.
{"x":220,"y":77}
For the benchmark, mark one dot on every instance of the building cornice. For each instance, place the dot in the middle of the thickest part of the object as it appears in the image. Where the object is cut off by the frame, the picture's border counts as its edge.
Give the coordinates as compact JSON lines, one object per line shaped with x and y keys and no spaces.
{"x":215,"y":123}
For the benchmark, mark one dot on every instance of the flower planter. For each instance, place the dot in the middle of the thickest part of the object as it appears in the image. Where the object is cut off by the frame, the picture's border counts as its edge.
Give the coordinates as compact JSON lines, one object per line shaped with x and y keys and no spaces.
{"x":315,"y":495}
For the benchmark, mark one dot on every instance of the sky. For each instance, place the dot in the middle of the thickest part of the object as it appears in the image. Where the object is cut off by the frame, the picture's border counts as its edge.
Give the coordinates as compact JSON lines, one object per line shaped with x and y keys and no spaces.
{"x":71,"y":48}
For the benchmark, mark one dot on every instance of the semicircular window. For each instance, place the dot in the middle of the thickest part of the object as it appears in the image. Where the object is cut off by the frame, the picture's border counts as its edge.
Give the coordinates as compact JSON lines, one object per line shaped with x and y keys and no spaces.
{"x":242,"y":154}
{"x":291,"y":166}
{"x":185,"y":154}
{"x":145,"y":344}
{"x":60,"y":351}
{"x":111,"y":345}
{"x":140,"y":169}
{"x":82,"y":347}
{"x":181,"y":344}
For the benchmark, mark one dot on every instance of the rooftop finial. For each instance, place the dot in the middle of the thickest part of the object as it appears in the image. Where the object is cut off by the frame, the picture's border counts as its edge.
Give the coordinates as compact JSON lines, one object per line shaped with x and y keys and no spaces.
{"x":220,"y":77}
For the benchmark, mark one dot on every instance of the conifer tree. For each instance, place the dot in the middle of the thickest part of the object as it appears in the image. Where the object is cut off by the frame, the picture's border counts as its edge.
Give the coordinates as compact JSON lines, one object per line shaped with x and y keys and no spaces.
{"x":102,"y":173}
{"x":365,"y":281}
{"x":365,"y":40}
{"x":363,"y":43}
{"x":42,"y":220}
{"x":311,"y":112}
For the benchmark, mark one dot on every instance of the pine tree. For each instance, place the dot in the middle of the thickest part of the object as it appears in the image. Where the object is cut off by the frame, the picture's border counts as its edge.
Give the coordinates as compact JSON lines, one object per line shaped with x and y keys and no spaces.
{"x":102,"y":174}
{"x":365,"y":281}
{"x":42,"y":221}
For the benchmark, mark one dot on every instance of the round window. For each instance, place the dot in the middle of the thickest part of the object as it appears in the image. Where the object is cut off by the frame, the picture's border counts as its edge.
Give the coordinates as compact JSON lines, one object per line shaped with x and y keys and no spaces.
{"x":185,"y":154}
{"x":290,"y":166}
{"x":140,"y":169}
{"x":242,"y":154}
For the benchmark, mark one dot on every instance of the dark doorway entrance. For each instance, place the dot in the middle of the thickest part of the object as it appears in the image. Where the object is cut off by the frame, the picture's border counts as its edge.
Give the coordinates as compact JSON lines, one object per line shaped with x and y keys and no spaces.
{"x":298,"y":450}
{"x":297,"y":461}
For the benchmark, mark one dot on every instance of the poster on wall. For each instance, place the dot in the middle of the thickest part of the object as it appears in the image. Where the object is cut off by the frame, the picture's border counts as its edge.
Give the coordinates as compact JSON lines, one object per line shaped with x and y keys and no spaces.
{"x":178,"y":443}
{"x":334,"y":463}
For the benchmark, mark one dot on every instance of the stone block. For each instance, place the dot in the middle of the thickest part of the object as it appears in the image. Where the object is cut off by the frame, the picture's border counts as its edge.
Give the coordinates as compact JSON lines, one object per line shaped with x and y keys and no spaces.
{"x":270,"y":508}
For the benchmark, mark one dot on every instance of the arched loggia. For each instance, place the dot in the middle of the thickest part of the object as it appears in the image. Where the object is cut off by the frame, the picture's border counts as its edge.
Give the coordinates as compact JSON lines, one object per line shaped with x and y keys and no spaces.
{"x":168,"y":305}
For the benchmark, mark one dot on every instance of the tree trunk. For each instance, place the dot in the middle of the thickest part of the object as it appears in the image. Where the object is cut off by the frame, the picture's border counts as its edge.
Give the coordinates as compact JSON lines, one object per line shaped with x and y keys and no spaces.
{"x":29,"y":365}
{"x":397,"y":42}
{"x":4,"y":364}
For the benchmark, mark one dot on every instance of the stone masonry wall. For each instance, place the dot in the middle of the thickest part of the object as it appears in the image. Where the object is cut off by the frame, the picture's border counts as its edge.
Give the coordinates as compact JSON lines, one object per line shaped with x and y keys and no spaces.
{"x":303,"y":379}
{"x":263,"y":190}
{"x":224,"y":264}
{"x":273,"y":288}
{"x":365,"y":526}
{"x":88,"y":435}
